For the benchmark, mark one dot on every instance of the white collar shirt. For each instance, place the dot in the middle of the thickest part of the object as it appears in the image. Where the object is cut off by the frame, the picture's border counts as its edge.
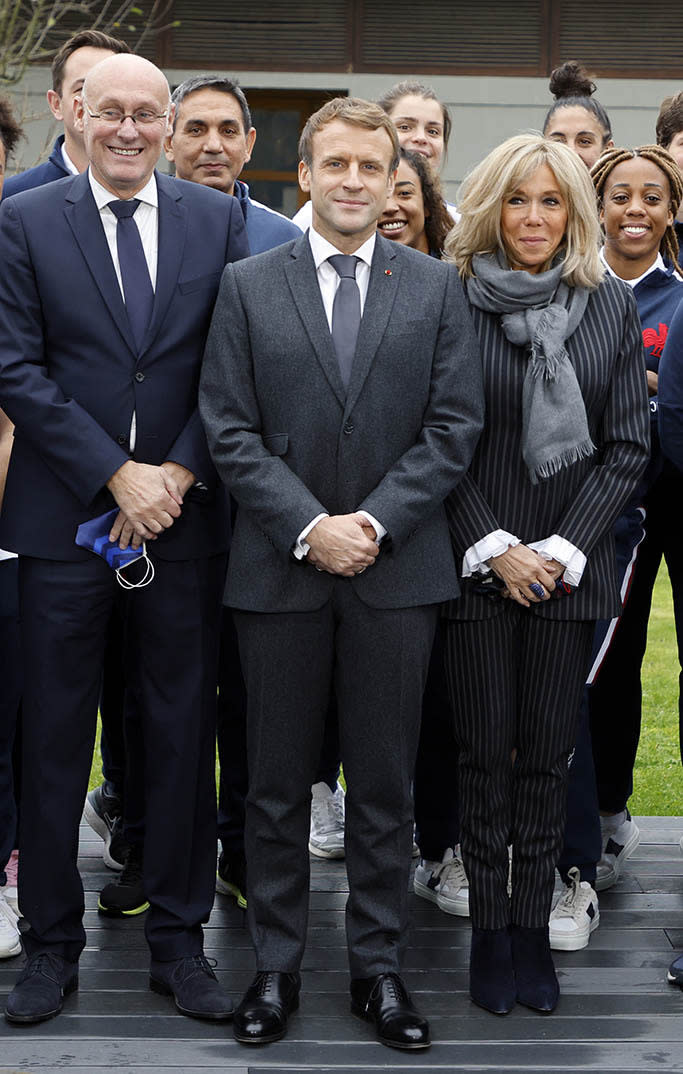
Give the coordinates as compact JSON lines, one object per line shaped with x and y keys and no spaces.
{"x":328,"y":277}
{"x":146,"y":217}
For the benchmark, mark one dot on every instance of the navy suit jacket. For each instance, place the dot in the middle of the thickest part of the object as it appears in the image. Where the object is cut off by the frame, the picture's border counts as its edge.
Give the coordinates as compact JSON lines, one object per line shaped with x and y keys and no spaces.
{"x":47,"y":172}
{"x":70,"y":374}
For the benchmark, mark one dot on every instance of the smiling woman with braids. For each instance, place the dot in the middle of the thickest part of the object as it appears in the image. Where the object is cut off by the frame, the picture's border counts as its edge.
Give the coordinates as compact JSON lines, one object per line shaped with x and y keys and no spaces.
{"x":639,"y":193}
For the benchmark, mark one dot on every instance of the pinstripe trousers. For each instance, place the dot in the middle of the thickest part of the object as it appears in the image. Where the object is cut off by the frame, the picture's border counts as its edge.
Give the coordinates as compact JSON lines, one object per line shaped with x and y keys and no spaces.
{"x":515,"y":683}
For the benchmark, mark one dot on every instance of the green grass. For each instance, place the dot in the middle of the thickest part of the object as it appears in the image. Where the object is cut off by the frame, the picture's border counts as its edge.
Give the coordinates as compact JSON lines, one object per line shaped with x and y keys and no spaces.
{"x":658,"y":778}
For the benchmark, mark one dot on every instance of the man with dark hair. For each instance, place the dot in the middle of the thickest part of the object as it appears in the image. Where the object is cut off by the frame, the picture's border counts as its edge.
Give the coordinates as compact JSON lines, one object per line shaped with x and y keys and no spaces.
{"x":211,"y":141}
{"x":69,"y":68}
{"x":341,"y":394}
{"x":107,"y":283}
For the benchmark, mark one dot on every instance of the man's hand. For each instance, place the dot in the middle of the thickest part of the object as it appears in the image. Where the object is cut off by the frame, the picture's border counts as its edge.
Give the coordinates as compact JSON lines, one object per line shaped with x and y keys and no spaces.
{"x":520,"y":567}
{"x":340,"y":545}
{"x":183,"y":477}
{"x":149,"y":499}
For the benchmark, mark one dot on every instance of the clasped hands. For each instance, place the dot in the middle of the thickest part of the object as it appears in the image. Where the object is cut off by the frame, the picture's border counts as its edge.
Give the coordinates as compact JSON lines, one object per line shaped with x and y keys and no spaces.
{"x":150,"y":498}
{"x":342,"y":544}
{"x":520,"y":567}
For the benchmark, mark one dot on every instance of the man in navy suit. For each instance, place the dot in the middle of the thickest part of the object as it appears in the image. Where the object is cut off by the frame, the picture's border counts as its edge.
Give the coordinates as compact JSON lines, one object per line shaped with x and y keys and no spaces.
{"x":102,"y":328}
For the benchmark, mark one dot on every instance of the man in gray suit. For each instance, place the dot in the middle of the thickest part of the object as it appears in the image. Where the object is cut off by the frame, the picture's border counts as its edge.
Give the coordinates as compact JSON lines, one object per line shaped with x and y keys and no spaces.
{"x":341,"y":393}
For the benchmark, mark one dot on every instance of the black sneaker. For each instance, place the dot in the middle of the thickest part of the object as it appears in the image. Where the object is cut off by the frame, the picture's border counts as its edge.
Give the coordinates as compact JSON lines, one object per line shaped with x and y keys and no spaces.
{"x":102,"y":810}
{"x":118,"y":846}
{"x":126,"y":896}
{"x":231,"y":878}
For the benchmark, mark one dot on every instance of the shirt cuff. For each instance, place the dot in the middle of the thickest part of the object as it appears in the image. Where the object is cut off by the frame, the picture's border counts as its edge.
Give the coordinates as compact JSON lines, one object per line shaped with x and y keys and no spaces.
{"x":301,"y":546}
{"x":377,"y":526}
{"x":559,"y":548}
{"x":494,"y":544}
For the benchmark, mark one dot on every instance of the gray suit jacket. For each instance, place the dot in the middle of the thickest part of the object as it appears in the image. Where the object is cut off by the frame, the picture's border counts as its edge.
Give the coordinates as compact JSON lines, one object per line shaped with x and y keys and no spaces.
{"x":290,"y":443}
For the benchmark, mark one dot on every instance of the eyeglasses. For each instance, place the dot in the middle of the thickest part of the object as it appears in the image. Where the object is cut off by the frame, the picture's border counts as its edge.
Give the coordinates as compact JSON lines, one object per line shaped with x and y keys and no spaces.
{"x":114,"y":117}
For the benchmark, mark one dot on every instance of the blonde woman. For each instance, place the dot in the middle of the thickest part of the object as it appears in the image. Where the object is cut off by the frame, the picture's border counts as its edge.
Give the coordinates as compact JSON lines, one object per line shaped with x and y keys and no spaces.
{"x":565,"y":441}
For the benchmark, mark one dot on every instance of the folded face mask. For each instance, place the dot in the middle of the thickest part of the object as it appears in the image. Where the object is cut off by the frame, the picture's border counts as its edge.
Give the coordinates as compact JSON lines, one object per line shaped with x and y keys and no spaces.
{"x":94,"y":535}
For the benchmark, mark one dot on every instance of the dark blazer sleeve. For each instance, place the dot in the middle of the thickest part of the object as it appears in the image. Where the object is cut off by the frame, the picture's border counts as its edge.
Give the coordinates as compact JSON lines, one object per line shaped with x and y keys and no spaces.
{"x":259,"y":479}
{"x":71,"y":442}
{"x":425,"y":474}
{"x":624,"y":443}
{"x":190,"y":448}
{"x":670,"y":392}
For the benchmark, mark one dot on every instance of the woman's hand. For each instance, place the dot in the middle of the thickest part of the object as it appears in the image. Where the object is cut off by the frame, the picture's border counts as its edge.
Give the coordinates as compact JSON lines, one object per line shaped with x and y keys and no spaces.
{"x":520,"y":568}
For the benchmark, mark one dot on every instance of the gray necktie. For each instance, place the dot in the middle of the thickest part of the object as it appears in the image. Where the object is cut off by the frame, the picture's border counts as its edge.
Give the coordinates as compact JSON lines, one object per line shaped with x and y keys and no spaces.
{"x":345,"y":313}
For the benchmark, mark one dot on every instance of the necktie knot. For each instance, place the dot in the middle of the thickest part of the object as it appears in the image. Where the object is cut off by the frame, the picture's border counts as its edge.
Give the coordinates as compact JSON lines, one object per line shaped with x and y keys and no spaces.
{"x":344,"y":265}
{"x":124,"y":209}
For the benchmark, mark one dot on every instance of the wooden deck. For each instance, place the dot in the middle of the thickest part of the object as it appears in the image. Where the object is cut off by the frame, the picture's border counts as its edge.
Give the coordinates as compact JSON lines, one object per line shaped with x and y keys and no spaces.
{"x":617,"y":1012}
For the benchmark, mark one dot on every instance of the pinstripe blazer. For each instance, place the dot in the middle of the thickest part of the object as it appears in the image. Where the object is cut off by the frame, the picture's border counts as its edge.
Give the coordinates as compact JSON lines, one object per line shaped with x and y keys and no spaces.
{"x":582,"y":501}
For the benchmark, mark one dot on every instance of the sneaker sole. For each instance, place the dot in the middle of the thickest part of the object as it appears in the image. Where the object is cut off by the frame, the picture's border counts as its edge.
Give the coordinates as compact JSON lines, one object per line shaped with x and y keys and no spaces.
{"x":424,"y":892}
{"x":212,"y":1016}
{"x":111,"y":911}
{"x":100,"y":828}
{"x":323,"y":852}
{"x":575,"y":941}
{"x":13,"y":951}
{"x":608,"y":880}
{"x":224,"y":888}
{"x":26,"y":1020}
{"x":458,"y":907}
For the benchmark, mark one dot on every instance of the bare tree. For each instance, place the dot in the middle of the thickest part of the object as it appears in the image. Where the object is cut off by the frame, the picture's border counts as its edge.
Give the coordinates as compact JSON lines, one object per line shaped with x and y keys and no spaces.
{"x":31,"y":31}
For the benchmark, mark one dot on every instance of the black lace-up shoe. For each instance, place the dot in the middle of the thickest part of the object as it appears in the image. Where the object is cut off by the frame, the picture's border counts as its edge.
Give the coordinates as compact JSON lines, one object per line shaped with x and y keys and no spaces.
{"x":262,"y":1015}
{"x":39,"y":993}
{"x":126,"y":896}
{"x":193,"y":984}
{"x":384,"y":1000}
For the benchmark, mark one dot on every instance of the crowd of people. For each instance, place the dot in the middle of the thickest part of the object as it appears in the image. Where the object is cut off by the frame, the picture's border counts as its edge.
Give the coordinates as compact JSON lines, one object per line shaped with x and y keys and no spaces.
{"x":380,"y":487}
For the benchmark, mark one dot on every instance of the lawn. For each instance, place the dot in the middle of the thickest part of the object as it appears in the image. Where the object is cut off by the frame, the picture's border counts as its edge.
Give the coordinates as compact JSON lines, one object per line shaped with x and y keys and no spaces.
{"x":658,"y":778}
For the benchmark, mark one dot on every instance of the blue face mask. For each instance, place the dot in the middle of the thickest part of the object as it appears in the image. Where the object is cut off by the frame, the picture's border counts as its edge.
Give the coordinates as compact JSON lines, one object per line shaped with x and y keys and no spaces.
{"x":94,"y":535}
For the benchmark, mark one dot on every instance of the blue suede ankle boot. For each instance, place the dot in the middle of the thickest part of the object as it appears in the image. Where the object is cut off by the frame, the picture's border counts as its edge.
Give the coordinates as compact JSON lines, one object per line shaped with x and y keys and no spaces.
{"x":492,"y":980}
{"x":537,"y":985}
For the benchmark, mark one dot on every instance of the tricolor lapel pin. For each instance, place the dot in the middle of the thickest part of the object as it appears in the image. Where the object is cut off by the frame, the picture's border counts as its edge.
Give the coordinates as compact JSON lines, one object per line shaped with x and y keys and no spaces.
{"x":387,"y":272}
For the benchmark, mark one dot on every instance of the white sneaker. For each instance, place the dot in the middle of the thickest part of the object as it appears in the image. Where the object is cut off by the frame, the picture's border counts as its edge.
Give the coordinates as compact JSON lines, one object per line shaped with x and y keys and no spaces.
{"x":574,"y":916}
{"x":444,"y":882}
{"x":326,"y":839}
{"x":620,"y":837}
{"x":9,"y":890}
{"x":10,"y":940}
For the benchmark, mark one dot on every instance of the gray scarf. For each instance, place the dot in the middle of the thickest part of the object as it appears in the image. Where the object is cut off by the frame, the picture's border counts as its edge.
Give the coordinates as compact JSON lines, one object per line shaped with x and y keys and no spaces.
{"x":538,"y":310}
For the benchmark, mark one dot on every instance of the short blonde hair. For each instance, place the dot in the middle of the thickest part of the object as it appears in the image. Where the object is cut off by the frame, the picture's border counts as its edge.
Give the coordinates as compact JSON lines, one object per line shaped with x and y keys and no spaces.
{"x":503,"y":171}
{"x":358,"y":113}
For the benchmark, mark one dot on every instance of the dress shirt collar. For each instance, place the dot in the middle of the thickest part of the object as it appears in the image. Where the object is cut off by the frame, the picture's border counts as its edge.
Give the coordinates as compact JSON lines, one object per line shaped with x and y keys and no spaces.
{"x":321,"y":248}
{"x":102,"y":196}
{"x":658,"y":264}
{"x":68,"y":162}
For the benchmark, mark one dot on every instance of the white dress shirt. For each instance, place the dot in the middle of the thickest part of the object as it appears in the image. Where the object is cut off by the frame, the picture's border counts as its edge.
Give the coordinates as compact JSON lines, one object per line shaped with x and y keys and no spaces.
{"x":68,"y":162}
{"x":146,"y":218}
{"x":328,"y":281}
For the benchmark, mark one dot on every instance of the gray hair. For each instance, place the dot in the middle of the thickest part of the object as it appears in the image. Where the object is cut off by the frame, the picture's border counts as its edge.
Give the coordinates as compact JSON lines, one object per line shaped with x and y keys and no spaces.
{"x":218,"y":82}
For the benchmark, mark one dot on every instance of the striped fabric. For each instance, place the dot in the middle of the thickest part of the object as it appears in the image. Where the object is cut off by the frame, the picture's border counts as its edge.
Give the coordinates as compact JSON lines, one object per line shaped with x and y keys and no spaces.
{"x":516,"y":675}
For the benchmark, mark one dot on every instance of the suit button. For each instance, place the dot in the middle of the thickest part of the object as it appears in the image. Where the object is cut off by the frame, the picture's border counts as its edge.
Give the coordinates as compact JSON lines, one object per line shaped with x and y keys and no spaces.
{"x":139,"y":377}
{"x":121,"y":439}
{"x":348,"y":428}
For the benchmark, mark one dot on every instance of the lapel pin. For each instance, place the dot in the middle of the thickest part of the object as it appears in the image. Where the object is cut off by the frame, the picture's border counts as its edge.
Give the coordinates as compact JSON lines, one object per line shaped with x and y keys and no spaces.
{"x":387,"y":272}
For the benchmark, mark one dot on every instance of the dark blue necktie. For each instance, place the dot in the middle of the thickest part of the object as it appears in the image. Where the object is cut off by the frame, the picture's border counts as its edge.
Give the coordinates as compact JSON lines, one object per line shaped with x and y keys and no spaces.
{"x":137,"y":286}
{"x":345,"y":313}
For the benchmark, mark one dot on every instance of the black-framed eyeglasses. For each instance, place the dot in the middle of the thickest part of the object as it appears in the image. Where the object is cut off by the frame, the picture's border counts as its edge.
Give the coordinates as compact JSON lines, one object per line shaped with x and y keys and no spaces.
{"x":114,"y":117}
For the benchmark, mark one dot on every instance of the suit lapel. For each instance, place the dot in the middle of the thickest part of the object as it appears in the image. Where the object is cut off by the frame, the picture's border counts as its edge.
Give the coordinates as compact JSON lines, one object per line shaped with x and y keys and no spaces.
{"x":385,"y":274}
{"x":84,"y":220}
{"x":303,"y":283}
{"x":171,"y":248}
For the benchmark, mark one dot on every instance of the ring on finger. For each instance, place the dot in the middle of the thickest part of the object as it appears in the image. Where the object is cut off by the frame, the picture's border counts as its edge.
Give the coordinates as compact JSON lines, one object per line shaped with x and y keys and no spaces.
{"x":537,"y":589}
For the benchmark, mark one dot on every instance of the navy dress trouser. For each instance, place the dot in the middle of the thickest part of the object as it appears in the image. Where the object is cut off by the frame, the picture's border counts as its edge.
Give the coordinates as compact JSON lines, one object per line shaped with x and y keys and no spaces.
{"x":171,"y":631}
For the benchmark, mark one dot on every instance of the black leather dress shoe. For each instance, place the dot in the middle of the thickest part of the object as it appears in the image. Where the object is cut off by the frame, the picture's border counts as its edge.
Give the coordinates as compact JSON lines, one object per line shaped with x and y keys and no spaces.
{"x":39,"y":993}
{"x":384,"y":1000}
{"x":492,"y":979}
{"x":535,"y":977}
{"x":194,"y":986}
{"x":269,"y":1000}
